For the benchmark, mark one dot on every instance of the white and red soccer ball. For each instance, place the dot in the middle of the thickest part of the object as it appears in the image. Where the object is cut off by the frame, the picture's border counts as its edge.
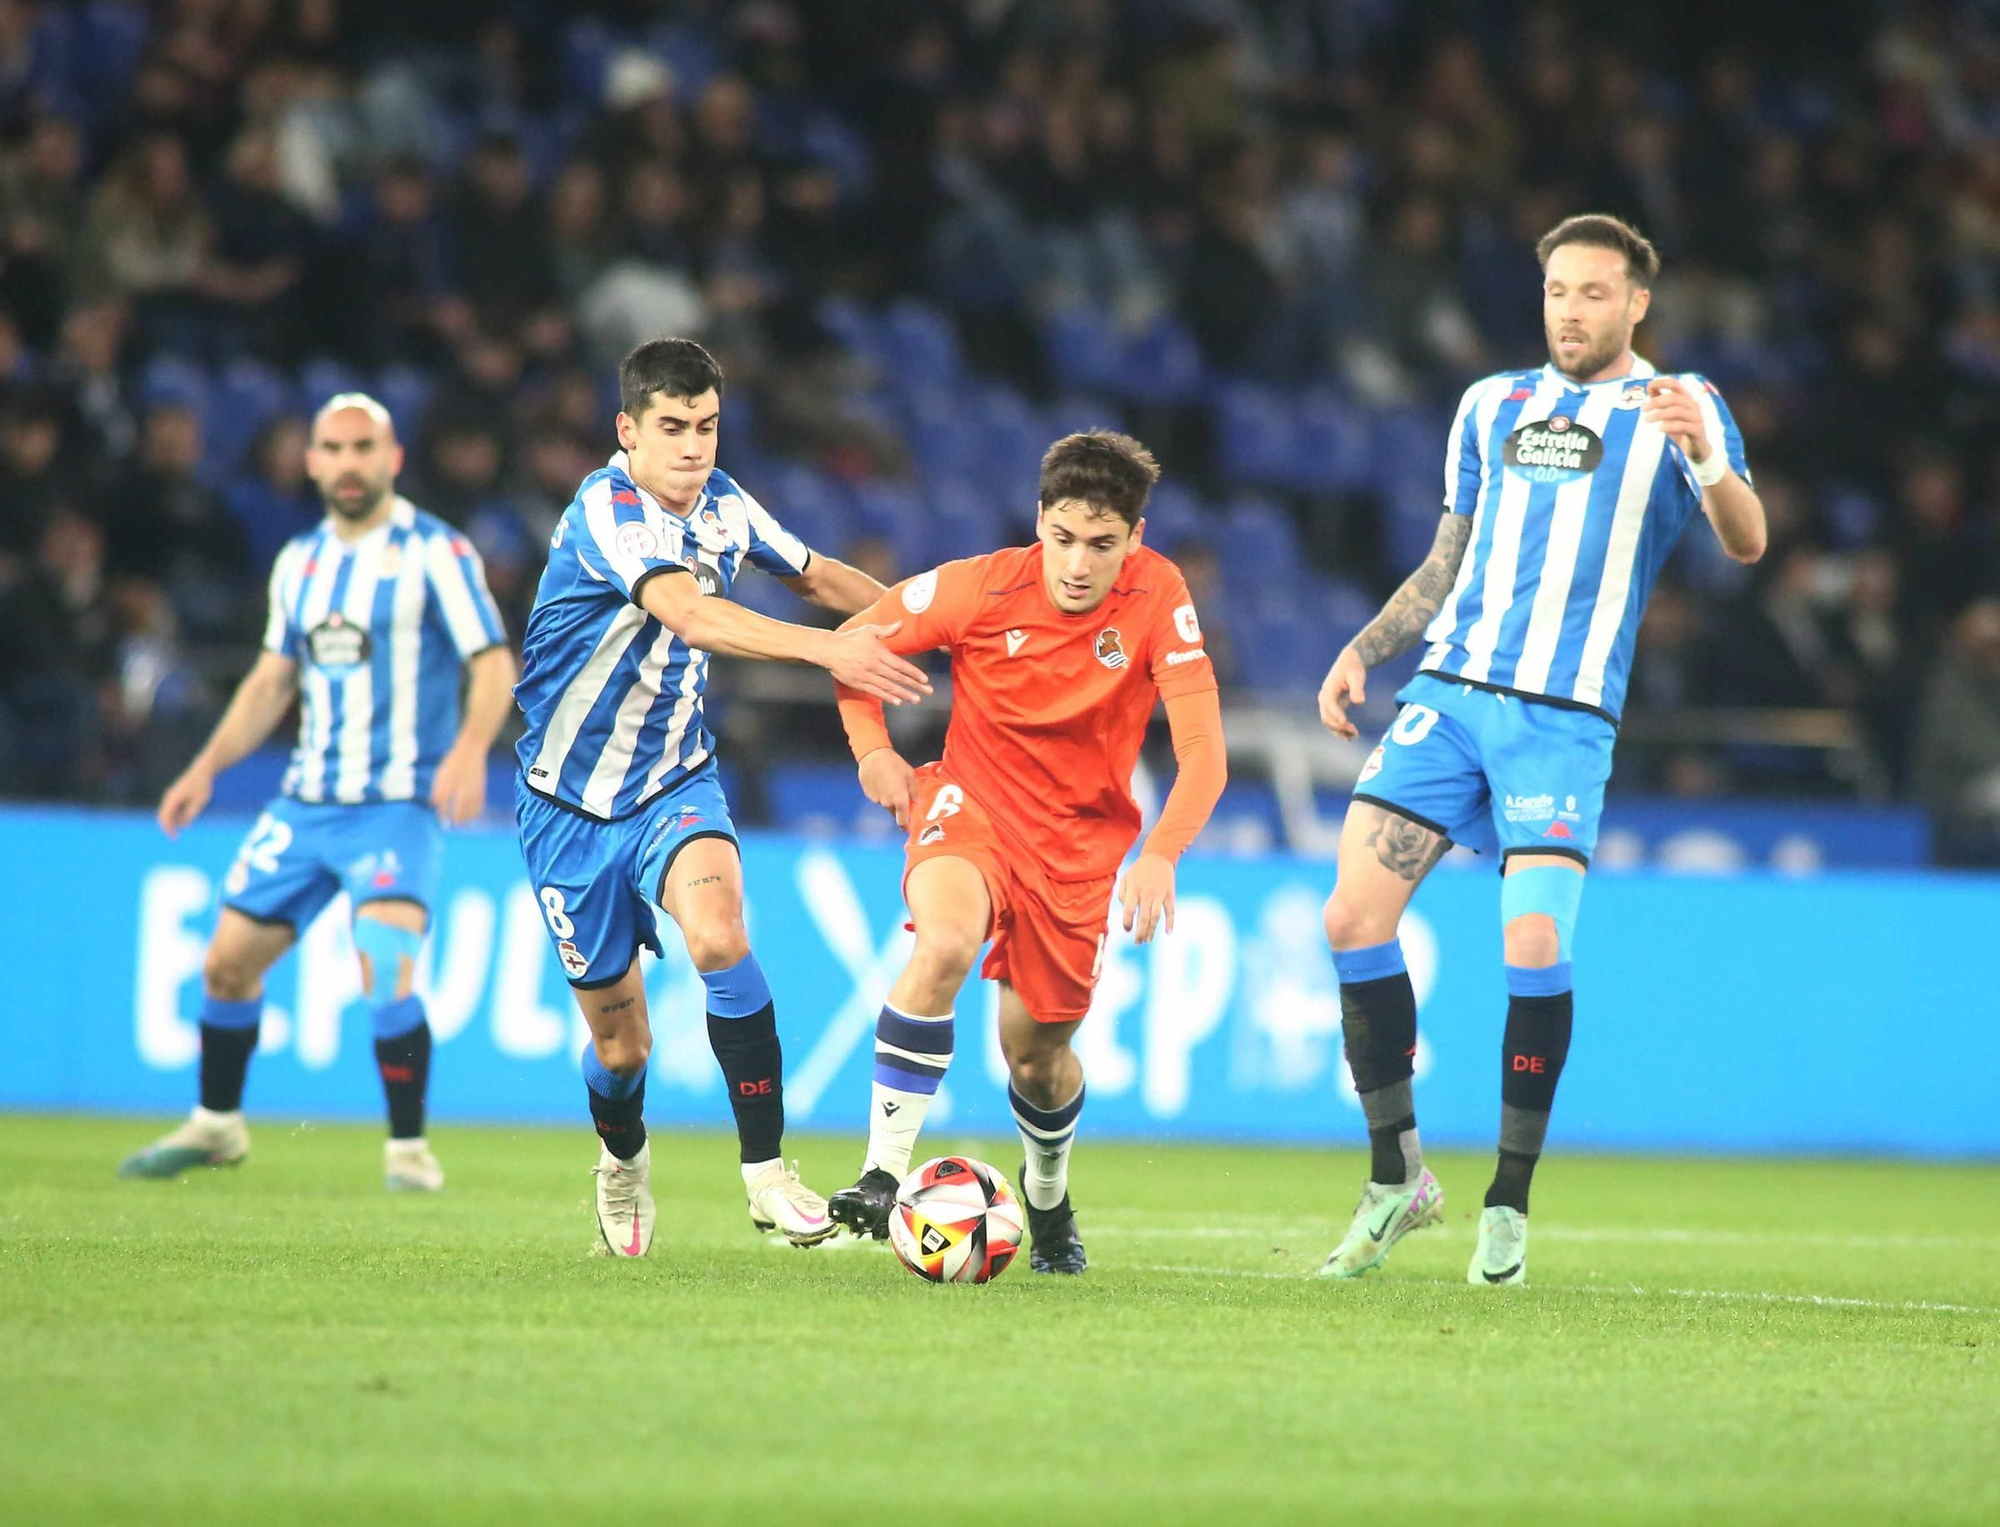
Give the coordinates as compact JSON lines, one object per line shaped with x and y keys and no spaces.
{"x":956,"y":1221}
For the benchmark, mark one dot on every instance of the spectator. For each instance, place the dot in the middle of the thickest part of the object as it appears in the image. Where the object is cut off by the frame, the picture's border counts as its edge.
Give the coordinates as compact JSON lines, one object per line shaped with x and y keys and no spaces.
{"x":163,"y":525}
{"x":275,"y":500}
{"x":1957,"y":765}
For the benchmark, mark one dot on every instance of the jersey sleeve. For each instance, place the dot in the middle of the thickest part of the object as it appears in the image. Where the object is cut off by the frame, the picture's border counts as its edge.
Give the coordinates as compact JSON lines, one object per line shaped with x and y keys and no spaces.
{"x":934,"y":609}
{"x":458,"y":584}
{"x":1720,"y":425}
{"x":278,"y":634}
{"x":772,"y":547}
{"x":619,"y":543}
{"x":1177,"y":654}
{"x":1464,"y":455}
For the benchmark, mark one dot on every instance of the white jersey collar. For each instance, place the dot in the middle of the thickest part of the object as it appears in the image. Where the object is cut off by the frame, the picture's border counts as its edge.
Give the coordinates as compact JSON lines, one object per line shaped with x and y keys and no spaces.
{"x":1641,"y":370}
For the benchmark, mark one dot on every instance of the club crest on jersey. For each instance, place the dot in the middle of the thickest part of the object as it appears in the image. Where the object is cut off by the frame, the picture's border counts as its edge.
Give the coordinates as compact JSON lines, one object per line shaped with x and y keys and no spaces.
{"x":1632,"y":397}
{"x":1556,"y":450}
{"x":338,"y":643}
{"x":1111,"y":648}
{"x":931,"y":834}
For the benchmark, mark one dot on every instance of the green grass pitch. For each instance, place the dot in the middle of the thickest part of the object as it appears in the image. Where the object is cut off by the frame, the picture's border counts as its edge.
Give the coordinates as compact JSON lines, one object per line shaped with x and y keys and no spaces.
{"x":1703,"y":1340}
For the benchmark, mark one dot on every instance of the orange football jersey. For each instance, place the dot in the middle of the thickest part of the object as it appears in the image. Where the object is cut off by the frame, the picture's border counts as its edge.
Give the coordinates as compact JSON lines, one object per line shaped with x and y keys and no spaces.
{"x":1048,"y":708}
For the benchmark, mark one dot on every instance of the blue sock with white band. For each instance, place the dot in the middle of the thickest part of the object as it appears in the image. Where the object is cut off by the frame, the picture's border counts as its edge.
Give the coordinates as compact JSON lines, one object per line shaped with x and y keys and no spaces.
{"x":911,"y":1054}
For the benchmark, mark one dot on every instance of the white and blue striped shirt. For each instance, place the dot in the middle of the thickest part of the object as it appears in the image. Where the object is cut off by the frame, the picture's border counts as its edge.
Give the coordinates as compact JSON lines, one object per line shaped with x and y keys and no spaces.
{"x":380,"y":630}
{"x":613,"y":698}
{"x":1575,"y":502}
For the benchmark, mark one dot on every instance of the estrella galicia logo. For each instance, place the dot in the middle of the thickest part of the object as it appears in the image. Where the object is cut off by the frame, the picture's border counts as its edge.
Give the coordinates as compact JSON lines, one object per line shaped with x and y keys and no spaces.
{"x":338,"y":643}
{"x":1556,"y":450}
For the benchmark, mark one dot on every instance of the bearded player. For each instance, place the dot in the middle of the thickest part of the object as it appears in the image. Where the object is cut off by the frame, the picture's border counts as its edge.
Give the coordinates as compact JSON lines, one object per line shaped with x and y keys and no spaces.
{"x":1058,"y":650}
{"x":1565,"y":490}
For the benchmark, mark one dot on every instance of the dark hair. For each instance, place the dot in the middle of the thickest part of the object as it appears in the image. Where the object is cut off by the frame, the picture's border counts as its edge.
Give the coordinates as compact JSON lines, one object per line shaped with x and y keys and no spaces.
{"x":680,"y":368}
{"x":1600,"y":230}
{"x":1109,"y":471}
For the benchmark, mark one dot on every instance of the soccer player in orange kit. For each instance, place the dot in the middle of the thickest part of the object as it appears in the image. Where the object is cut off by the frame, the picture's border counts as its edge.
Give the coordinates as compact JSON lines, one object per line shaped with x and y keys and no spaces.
{"x":1057,"y":652}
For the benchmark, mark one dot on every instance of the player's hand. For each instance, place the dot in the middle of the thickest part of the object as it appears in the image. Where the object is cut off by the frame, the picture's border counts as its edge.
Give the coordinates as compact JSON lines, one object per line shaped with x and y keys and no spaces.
{"x":186,"y":799}
{"x":1346,"y":684}
{"x":1147,"y":895}
{"x":888,"y":780}
{"x":1672,"y":407}
{"x":459,"y":789}
{"x":857,"y":658}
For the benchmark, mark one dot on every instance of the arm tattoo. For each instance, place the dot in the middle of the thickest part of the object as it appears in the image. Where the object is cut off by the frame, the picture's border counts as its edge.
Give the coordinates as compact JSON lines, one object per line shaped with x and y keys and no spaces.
{"x":1404,"y":848}
{"x":1413,"y":606}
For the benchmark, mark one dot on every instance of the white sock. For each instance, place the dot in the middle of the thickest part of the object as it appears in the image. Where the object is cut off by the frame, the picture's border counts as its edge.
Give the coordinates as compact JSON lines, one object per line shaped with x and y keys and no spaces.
{"x":1047,"y":1134}
{"x":752,"y":1170}
{"x":911,"y":1054}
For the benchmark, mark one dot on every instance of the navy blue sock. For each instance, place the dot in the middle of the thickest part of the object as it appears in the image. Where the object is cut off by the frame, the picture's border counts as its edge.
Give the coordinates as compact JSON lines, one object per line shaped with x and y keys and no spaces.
{"x":228,"y":1040}
{"x":743,"y":1032}
{"x":403,"y":1057}
{"x":617,"y":1105}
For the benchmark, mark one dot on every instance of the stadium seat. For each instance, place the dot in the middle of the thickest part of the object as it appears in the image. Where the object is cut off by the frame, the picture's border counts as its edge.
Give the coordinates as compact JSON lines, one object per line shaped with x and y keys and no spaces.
{"x":406,"y":392}
{"x":1076,"y":411}
{"x":1258,"y":435}
{"x":323,"y":377}
{"x":1081,"y":349}
{"x":810,"y":505}
{"x":858,"y":330}
{"x":921,"y":345}
{"x":895,"y":513}
{"x":1174,"y":515}
{"x":246,"y":396}
{"x":1330,"y":451}
{"x":1161,"y":364}
{"x":587,"y":49}
{"x":963,"y":522}
{"x":1262,"y":542}
{"x":173,"y":381}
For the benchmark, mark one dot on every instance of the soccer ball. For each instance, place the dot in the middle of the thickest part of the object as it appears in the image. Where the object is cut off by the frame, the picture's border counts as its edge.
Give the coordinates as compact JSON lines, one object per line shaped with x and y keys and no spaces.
{"x":955,"y":1221}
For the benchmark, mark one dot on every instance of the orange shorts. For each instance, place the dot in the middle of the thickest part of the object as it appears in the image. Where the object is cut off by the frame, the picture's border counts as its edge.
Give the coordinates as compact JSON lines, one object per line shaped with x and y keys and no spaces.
{"x":1048,"y":935}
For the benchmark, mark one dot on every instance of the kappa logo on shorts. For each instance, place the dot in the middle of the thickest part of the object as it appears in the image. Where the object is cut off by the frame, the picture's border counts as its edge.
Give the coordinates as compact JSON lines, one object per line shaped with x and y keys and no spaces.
{"x":931,"y":834}
{"x":1111,"y":648}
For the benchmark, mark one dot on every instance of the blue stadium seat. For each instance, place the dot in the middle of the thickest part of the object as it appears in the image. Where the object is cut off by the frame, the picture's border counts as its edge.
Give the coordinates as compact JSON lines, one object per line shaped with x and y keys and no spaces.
{"x":323,"y":377}
{"x":1258,"y":434}
{"x":964,"y":522}
{"x":895,"y":513}
{"x":1408,"y":445}
{"x":1259,"y":539}
{"x":113,"y":36}
{"x":406,"y":392}
{"x":922,"y":345}
{"x":944,"y":439}
{"x":245,"y":397}
{"x":1012,"y":435}
{"x":1082,"y":349}
{"x":1330,"y":452}
{"x":1161,"y":364}
{"x":858,"y":330}
{"x":1074,"y":412}
{"x":810,"y":505}
{"x":172,"y":380}
{"x":586,"y":53}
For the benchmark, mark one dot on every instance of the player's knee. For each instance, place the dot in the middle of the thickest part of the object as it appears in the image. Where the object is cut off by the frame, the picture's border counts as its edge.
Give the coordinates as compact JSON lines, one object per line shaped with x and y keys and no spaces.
{"x":717,"y":943}
{"x":1352,"y":924}
{"x":229,"y":976}
{"x":946,"y":948}
{"x":624,"y":1054}
{"x":1532,"y":942}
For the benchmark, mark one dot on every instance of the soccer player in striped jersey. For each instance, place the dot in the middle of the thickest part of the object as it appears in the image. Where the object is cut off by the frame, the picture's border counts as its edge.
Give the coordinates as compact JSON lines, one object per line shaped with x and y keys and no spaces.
{"x":377,"y":617}
{"x":1565,"y":490}
{"x":619,"y":806}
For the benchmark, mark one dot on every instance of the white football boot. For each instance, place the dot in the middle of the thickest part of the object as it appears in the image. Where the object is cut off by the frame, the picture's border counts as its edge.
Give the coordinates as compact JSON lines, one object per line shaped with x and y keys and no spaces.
{"x":1502,"y":1253}
{"x":779,"y":1201}
{"x":1387,"y":1212}
{"x":625,"y":1202}
{"x":206,"y":1139}
{"x":409,"y":1167}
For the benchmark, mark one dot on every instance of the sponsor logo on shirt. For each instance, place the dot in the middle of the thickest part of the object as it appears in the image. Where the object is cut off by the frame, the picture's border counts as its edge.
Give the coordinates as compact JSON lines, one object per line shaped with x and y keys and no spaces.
{"x":338,"y":643}
{"x":1175,"y":659}
{"x":1557,"y":450}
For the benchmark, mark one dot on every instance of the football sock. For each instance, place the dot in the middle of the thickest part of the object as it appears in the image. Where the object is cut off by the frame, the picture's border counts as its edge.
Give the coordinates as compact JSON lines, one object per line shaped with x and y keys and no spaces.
{"x":743,"y":1032}
{"x":617,"y":1105}
{"x":228,"y":1039}
{"x":403,"y":1057}
{"x":911,"y":1055}
{"x":1539,"y":1011}
{"x":1378,"y":1022}
{"x":1047,"y":1134}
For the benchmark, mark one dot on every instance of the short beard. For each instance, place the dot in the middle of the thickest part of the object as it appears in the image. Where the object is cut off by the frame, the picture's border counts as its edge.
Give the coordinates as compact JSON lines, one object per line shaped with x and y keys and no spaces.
{"x":368,"y":505}
{"x":1593,"y":361}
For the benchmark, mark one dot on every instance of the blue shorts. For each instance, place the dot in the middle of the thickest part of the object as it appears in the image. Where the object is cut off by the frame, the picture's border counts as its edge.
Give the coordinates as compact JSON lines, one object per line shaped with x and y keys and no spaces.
{"x":299,"y":856}
{"x":1493,"y":771}
{"x":598,"y":882}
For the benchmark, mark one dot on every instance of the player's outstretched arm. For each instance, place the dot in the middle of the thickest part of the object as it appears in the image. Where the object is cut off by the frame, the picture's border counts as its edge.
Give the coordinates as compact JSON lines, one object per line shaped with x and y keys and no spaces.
{"x":1202,"y":760}
{"x":1398,"y":627}
{"x":834,"y":585}
{"x":259,"y":704}
{"x":855,"y":655}
{"x":458,"y":790}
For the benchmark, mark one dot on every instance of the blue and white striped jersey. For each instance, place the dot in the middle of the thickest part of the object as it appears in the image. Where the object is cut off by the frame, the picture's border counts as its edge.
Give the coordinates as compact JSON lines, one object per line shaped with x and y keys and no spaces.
{"x":613,"y":698}
{"x":1575,"y":503}
{"x":379,"y":630}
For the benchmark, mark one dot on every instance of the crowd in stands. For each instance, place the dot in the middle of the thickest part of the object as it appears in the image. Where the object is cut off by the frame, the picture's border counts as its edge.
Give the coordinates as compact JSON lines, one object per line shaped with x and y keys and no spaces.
{"x":1275,"y":238}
